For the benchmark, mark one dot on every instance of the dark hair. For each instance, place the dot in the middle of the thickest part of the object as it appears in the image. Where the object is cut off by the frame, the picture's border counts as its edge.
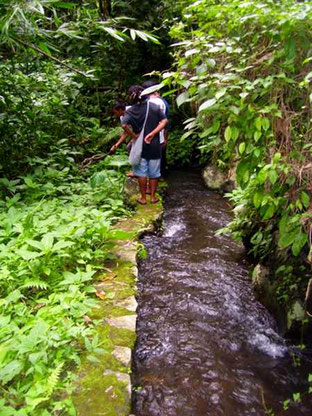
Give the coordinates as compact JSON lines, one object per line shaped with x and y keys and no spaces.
{"x":148,"y":84}
{"x":118,"y":105}
{"x":135,"y":94}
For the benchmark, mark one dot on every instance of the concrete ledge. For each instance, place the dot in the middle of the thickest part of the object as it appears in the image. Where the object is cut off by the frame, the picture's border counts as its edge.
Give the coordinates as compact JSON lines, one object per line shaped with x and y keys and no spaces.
{"x":104,"y":386}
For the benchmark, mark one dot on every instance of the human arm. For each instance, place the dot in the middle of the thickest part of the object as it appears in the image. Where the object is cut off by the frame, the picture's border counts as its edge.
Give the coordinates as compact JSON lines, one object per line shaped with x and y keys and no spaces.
{"x":148,"y":138}
{"x":128,"y":131}
{"x":118,"y":143}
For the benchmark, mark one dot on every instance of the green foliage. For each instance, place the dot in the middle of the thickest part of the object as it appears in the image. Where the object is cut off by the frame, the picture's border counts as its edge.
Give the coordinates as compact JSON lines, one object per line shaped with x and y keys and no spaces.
{"x":243,"y":68}
{"x":179,"y":149}
{"x":62,"y":66}
{"x":55,"y":235}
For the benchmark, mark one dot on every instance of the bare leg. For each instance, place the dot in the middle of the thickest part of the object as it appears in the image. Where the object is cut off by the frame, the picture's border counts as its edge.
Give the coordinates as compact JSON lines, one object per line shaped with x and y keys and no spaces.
{"x":153,"y":187}
{"x":142,"y":185}
{"x":148,"y":189}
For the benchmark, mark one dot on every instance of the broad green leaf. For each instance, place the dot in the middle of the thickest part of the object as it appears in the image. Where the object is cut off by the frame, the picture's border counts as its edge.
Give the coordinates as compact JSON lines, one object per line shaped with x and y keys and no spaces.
{"x":62,"y":244}
{"x":262,"y":176}
{"x":115,"y":34}
{"x":273,"y":176}
{"x":215,"y":125}
{"x":7,"y":411}
{"x":277,"y":157}
{"x":142,"y":35}
{"x":243,"y":172}
{"x":257,"y":199}
{"x":299,"y":243}
{"x":258,"y":123}
{"x":305,"y":199}
{"x":243,"y":95}
{"x":36,"y":244}
{"x":132,"y":34}
{"x":207,"y":104}
{"x":191,"y":52}
{"x":269,"y":212}
{"x":8,"y":372}
{"x":242,"y":147}
{"x":44,"y":48}
{"x":47,"y":241}
{"x":29,"y":182}
{"x":265,"y":123}
{"x":283,"y":223}
{"x":220,"y":93}
{"x":290,"y":48}
{"x":287,"y":238}
{"x":182,"y":98}
{"x":28,"y":255}
{"x":257,"y":135}
{"x":235,"y":133}
{"x":228,"y":133}
{"x":297,"y":397}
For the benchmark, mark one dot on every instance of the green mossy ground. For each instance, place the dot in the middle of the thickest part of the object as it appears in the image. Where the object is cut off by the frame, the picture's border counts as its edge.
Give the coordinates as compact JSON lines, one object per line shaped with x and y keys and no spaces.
{"x":101,"y":389}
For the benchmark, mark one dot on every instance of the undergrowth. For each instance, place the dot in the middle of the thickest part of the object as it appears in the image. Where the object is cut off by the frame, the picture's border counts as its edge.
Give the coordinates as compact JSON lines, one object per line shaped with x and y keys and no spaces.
{"x":55,"y":236}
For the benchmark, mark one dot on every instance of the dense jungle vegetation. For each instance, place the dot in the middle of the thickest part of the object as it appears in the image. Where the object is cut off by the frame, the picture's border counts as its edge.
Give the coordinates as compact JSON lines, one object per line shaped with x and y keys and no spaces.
{"x":237,"y":75}
{"x":246,"y":69}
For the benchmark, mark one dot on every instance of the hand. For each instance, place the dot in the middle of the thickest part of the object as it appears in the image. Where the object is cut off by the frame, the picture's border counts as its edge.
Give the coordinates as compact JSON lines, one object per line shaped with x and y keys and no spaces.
{"x":149,"y":138}
{"x":113,"y":148}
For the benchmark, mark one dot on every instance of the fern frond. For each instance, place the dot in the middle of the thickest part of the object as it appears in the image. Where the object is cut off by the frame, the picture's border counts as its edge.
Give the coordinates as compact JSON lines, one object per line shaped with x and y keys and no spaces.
{"x":53,"y":379}
{"x":35,"y":284}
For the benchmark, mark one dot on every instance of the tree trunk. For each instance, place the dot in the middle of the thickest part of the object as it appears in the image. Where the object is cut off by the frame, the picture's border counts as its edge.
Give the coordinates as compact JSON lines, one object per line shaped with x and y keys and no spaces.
{"x":105,"y":8}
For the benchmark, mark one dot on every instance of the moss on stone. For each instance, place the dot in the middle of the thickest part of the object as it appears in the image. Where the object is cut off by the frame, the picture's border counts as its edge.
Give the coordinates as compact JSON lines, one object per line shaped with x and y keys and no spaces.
{"x":100,"y":394}
{"x":101,"y":391}
{"x":112,"y":310}
{"x":122,"y":337}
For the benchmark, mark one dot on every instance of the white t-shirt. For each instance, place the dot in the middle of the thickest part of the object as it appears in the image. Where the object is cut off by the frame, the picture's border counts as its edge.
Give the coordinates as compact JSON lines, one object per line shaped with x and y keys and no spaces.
{"x":121,"y":117}
{"x":159,"y":102}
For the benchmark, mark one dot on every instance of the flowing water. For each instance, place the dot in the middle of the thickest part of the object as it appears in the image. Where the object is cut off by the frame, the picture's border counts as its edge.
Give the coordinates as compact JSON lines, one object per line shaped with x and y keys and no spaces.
{"x":205,"y":345}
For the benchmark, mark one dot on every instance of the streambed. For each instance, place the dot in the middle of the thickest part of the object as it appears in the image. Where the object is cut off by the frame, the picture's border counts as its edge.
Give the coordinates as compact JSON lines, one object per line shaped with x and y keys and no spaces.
{"x":205,"y":345}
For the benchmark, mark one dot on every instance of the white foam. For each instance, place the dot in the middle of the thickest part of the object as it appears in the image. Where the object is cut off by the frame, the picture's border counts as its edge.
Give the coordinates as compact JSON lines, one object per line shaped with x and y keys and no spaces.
{"x":173,"y":229}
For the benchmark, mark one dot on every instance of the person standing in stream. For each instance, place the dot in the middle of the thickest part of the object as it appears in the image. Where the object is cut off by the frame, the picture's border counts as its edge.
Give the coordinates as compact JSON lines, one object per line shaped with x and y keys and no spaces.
{"x":132,"y":124}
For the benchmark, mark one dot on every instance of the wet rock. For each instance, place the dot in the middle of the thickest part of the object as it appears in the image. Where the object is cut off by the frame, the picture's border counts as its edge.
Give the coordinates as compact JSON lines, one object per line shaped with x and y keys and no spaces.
{"x":123,"y":322}
{"x":123,"y":354}
{"x":121,"y":377}
{"x":260,"y":278}
{"x":216,"y":179}
{"x":129,"y":303}
{"x":131,"y":186}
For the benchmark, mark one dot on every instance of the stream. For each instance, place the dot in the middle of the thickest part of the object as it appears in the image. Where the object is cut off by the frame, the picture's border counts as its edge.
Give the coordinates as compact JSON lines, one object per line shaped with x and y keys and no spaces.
{"x":205,"y":345}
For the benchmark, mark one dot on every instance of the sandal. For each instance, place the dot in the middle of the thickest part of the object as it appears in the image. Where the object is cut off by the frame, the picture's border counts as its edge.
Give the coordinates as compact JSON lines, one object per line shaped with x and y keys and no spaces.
{"x":140,"y":202}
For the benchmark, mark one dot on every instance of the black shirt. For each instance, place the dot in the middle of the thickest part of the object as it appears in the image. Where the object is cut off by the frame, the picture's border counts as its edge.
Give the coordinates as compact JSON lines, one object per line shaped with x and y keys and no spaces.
{"x":135,"y":117}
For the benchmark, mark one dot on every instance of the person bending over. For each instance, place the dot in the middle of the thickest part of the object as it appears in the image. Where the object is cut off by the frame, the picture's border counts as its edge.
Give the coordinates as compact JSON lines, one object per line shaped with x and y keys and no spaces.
{"x":132,"y":124}
{"x":119,"y":110}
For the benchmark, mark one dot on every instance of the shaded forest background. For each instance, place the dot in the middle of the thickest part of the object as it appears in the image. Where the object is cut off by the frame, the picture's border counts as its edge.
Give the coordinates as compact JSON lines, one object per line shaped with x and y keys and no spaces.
{"x":237,"y":75}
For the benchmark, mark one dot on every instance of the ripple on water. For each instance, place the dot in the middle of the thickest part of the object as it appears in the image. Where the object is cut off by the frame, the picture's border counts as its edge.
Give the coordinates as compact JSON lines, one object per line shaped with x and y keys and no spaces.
{"x":205,"y":345}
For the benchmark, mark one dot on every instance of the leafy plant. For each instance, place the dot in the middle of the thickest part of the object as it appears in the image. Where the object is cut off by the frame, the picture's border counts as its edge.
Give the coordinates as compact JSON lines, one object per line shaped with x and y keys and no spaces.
{"x":243,"y":71}
{"x":52,"y":245}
